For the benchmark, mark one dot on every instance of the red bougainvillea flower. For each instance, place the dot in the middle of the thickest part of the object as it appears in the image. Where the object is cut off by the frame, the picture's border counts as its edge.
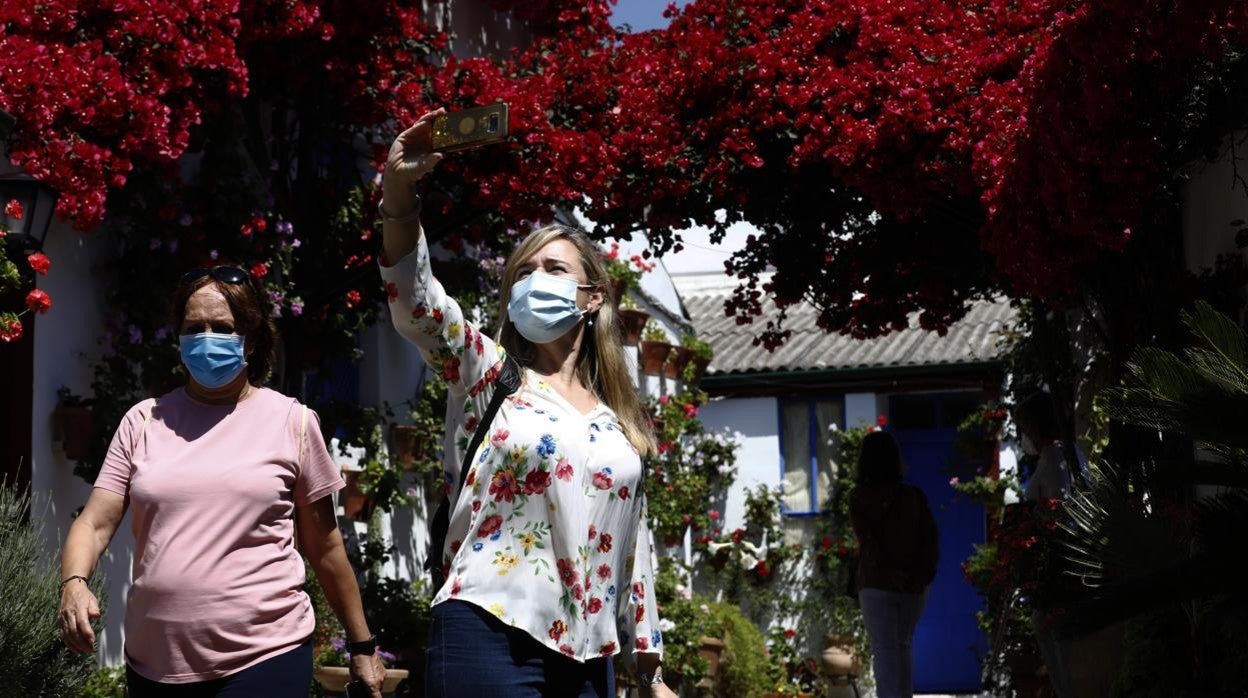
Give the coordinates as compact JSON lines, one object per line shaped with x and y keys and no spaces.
{"x":353,"y":298}
{"x":881,"y":421}
{"x":14,"y":209}
{"x":38,"y":301}
{"x":39,"y":262}
{"x":259,"y":270}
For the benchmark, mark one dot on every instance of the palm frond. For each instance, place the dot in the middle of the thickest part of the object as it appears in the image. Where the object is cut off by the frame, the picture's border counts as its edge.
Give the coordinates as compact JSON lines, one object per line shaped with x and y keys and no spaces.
{"x":1220,"y":334}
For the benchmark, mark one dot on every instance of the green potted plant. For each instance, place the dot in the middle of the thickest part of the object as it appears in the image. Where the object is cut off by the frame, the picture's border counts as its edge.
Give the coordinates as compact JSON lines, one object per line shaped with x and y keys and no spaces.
{"x":654,"y":349}
{"x":632,"y":321}
{"x":74,"y":423}
{"x":416,"y":446}
{"x":702,"y":353}
{"x":624,"y":274}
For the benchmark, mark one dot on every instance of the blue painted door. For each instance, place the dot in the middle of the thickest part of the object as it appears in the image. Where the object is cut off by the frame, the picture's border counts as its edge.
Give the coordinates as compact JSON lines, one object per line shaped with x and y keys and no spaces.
{"x":947,"y":644}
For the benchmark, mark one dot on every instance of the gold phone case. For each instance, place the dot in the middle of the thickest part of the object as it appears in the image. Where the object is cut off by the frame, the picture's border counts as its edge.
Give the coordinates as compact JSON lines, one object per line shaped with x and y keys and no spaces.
{"x":470,"y":128}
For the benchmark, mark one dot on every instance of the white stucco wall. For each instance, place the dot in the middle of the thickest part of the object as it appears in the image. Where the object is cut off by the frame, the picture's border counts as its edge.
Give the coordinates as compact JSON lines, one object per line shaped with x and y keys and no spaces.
{"x":66,"y":343}
{"x":755,"y":423}
{"x":1211,"y":199}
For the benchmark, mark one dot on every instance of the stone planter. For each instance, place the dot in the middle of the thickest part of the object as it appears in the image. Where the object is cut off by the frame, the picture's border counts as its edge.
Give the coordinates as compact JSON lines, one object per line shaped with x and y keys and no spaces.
{"x":632,"y":322}
{"x":840,"y":659}
{"x":75,"y":425}
{"x":334,"y":680}
{"x":356,"y":505}
{"x":653,"y":356}
{"x":676,"y":363}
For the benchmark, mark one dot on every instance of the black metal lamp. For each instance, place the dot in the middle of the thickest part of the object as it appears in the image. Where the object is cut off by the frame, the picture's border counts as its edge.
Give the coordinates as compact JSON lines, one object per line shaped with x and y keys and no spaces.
{"x":26,"y":204}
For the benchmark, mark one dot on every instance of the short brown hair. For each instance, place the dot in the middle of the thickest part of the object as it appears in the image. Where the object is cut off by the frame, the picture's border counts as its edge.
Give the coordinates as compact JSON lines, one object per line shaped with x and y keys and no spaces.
{"x":251,"y":320}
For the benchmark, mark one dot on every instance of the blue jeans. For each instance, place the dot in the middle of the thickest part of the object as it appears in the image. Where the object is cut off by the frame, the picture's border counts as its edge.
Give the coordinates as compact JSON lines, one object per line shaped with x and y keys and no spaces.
{"x":288,"y":675}
{"x":891,"y":617}
{"x":472,"y":653}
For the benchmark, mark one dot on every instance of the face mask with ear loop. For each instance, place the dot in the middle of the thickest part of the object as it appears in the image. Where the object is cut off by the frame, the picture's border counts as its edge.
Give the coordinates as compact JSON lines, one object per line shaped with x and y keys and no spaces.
{"x":543,"y":307}
{"x":213,"y":360}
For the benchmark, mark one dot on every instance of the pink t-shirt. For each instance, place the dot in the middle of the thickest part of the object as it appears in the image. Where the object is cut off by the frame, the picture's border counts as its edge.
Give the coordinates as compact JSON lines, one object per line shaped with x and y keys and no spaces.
{"x":213,"y":489}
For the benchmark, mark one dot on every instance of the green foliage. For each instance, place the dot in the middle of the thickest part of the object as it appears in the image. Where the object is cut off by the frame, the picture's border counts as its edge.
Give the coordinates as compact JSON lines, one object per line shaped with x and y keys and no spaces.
{"x":108,"y":682}
{"x":686,"y":622}
{"x":33,"y":659}
{"x":652,"y":332}
{"x":690,"y":468}
{"x":745,"y":668}
{"x":700,"y":348}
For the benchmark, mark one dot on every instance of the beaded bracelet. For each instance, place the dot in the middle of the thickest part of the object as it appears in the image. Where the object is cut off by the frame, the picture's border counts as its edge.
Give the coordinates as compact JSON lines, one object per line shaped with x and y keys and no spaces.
{"x":69,"y":579}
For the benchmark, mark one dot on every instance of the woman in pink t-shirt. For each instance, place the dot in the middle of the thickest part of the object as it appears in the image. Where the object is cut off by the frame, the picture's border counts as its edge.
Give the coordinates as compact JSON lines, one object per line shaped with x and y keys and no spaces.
{"x":223,"y":477}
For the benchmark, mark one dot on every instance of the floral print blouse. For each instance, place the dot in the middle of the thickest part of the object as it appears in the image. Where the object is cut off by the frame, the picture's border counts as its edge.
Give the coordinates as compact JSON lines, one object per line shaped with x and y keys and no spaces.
{"x":549,"y":533}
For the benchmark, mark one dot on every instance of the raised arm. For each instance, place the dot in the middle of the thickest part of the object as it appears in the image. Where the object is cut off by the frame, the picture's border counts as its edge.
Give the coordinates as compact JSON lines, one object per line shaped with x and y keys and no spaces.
{"x":420,"y":308}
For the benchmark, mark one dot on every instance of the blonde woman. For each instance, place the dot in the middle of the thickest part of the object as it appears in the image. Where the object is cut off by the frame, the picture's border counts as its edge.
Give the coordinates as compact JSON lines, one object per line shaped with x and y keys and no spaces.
{"x":547,"y":558}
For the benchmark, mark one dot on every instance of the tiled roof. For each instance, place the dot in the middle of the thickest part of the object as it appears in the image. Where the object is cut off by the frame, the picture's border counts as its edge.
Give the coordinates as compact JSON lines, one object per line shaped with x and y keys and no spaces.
{"x":973,"y":339}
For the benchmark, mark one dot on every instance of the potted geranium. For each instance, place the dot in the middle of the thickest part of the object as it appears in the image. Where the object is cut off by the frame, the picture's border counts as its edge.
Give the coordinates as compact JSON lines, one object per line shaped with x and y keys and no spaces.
{"x":624,"y":274}
{"x":632,"y":321}
{"x":74,"y":422}
{"x":654,"y":349}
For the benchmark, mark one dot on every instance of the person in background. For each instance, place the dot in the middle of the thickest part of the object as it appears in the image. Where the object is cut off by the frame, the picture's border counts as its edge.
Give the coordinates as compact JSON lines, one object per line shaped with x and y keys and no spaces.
{"x":899,"y":547}
{"x":1053,"y":478}
{"x":1041,"y":436}
{"x":227,"y":481}
{"x":547,"y":558}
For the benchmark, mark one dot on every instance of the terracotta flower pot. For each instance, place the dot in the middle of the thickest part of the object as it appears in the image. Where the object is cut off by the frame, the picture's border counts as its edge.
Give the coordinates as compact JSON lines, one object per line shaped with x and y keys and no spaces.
{"x":632,"y":322}
{"x":408,"y":446}
{"x":712,"y":650}
{"x":653,"y":356}
{"x":618,"y":288}
{"x":677,"y":361}
{"x":356,"y":505}
{"x":76,"y":425}
{"x":334,"y":680}
{"x":695,"y":370}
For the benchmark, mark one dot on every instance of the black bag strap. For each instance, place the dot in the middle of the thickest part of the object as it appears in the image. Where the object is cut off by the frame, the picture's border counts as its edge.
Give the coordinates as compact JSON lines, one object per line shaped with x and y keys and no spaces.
{"x":508,"y":382}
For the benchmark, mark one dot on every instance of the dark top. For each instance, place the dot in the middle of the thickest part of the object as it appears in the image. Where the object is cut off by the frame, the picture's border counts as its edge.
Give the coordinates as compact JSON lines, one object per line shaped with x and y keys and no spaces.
{"x":897,"y":537}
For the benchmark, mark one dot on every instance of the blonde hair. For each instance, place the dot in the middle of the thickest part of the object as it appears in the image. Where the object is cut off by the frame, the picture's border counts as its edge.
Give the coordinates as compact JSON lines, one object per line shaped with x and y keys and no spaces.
{"x":601,"y":366}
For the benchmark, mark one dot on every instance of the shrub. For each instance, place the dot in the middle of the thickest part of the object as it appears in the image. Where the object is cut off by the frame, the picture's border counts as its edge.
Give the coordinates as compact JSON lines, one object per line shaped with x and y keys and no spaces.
{"x":33,"y":660}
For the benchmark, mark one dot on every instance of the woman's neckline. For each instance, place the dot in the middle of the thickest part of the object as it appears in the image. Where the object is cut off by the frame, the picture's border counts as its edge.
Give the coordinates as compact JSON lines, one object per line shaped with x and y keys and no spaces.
{"x":245,"y":398}
{"x":599,"y":405}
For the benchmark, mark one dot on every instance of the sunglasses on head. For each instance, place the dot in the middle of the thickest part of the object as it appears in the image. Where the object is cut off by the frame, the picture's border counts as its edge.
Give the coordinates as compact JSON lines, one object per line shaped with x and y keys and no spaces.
{"x":229,"y":275}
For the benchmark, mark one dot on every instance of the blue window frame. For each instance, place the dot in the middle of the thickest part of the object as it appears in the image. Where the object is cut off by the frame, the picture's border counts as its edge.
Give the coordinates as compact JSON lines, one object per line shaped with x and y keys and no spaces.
{"x":808,"y":451}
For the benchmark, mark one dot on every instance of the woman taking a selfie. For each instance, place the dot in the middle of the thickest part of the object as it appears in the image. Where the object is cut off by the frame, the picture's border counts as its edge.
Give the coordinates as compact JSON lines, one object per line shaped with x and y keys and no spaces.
{"x":221,"y":476}
{"x":547,"y":559}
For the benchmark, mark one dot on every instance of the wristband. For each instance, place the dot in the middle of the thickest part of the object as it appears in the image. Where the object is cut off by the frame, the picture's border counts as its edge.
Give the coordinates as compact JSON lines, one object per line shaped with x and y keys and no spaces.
{"x":71,"y":578}
{"x":368,"y":646}
{"x":412,"y":215}
{"x":651,"y":679}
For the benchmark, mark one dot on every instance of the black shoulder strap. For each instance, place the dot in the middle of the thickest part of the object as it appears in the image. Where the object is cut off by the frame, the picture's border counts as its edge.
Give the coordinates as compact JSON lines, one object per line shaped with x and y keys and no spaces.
{"x":507,"y":383}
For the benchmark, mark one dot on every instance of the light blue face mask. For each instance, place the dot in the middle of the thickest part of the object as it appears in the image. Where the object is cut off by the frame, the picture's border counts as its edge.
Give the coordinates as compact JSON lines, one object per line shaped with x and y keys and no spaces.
{"x":213,"y":359}
{"x":543,"y":307}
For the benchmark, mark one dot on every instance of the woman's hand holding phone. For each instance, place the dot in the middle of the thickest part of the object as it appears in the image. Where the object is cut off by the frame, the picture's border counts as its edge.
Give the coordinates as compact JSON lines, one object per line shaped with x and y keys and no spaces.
{"x":411,"y":157}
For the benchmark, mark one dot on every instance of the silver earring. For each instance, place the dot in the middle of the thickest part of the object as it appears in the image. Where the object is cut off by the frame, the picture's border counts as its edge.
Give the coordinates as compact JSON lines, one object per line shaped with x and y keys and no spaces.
{"x":590,"y":321}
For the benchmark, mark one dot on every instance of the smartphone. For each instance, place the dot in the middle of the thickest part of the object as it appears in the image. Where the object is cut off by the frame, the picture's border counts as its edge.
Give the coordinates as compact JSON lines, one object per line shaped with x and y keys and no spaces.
{"x":460,"y":130}
{"x":357,"y":689}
